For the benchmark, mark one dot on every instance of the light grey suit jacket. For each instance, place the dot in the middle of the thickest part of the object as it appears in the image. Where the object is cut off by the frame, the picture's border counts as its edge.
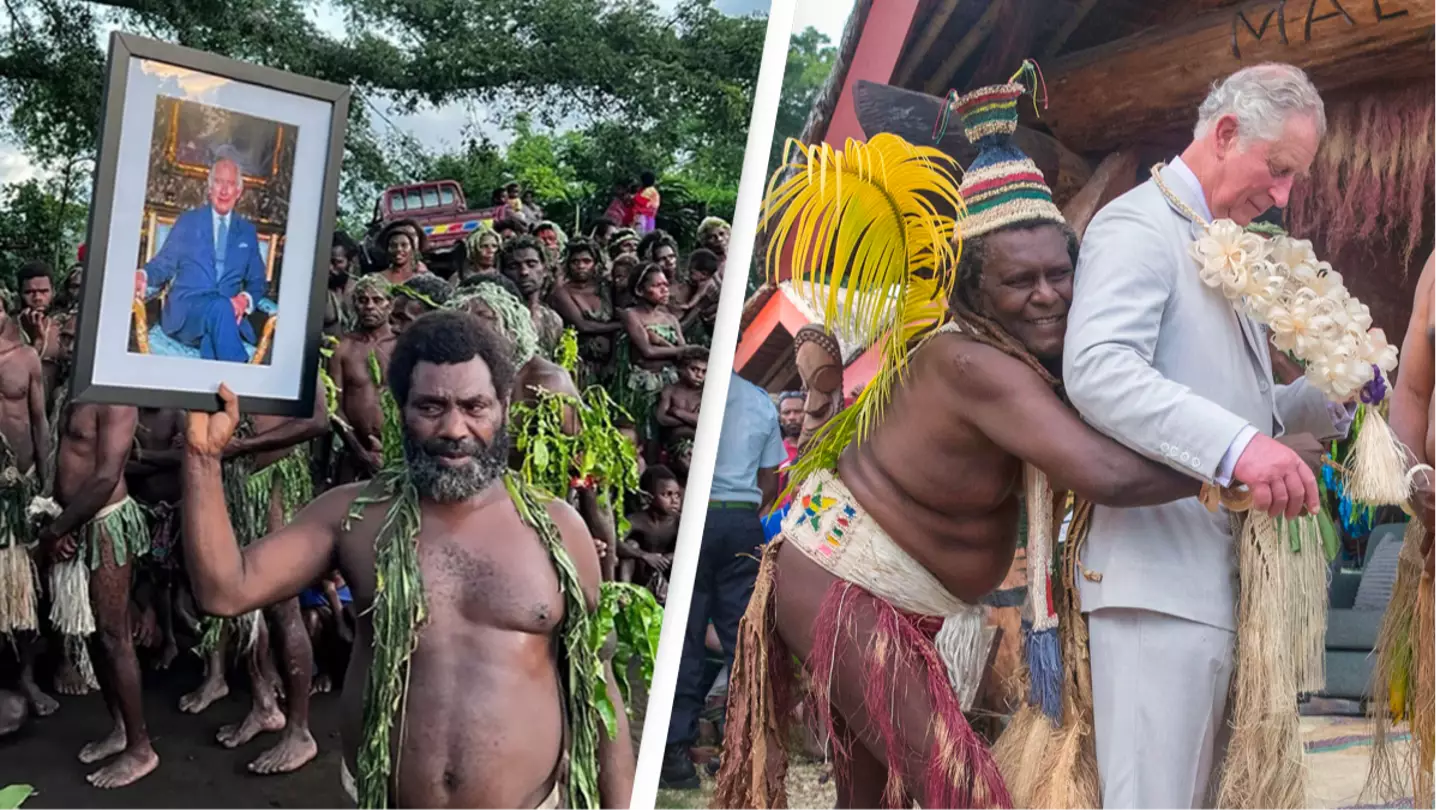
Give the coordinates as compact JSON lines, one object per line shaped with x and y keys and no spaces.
{"x":1166,"y":366}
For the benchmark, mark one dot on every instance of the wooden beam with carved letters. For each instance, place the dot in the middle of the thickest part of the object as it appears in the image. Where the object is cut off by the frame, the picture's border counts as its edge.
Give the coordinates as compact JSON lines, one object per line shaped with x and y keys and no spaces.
{"x":1152,"y":82}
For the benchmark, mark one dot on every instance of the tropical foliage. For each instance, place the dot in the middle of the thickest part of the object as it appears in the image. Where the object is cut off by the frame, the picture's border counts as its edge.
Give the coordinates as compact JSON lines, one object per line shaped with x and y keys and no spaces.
{"x":564,"y":96}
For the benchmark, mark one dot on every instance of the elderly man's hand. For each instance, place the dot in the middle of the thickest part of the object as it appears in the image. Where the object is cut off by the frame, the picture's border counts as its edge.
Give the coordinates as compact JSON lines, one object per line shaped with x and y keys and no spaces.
{"x":140,"y":284}
{"x":240,"y":303}
{"x":1279,"y":480}
{"x":1307,"y":447}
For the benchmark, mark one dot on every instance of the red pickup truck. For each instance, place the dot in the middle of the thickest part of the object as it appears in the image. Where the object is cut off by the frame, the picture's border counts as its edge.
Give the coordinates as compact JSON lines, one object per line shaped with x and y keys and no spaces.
{"x":439,"y":207}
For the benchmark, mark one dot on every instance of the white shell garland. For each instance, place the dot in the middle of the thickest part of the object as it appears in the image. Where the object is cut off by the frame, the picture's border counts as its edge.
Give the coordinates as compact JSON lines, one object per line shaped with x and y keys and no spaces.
{"x":1281,"y":283}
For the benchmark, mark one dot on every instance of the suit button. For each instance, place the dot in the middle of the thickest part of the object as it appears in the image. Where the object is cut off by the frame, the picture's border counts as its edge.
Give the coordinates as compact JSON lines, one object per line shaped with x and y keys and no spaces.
{"x":1165,"y":448}
{"x":1195,"y":464}
{"x":1185,"y":457}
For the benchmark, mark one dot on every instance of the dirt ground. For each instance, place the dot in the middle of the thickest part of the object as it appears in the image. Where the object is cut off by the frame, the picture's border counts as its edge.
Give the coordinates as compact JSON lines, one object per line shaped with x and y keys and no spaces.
{"x":194,"y":769}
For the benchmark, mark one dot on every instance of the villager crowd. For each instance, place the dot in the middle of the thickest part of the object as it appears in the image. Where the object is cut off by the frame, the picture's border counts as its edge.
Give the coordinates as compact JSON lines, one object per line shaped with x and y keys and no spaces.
{"x":549,"y":389}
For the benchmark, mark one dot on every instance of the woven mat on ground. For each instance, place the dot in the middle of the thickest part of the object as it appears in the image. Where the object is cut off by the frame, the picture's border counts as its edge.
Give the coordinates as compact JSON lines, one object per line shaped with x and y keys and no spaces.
{"x":1337,"y":751}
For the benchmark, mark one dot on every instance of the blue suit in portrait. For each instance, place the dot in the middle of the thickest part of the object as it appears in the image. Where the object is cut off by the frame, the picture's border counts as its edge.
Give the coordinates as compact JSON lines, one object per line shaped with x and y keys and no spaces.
{"x":197,"y":309}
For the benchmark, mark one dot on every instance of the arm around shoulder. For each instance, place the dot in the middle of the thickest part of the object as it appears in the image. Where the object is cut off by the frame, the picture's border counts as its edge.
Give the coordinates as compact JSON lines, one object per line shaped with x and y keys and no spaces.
{"x":1008,"y":403}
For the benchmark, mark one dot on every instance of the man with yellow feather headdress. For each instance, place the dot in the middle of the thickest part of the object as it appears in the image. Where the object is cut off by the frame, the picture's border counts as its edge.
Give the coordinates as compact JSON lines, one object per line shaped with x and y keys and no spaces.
{"x":907,"y":506}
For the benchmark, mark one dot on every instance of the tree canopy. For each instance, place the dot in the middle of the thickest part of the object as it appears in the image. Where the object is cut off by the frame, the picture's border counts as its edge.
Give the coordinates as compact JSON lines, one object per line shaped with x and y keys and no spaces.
{"x":591,"y":90}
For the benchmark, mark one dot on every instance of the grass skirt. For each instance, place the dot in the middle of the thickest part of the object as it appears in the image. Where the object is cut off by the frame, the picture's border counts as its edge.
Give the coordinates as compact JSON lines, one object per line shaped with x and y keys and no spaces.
{"x":959,"y":771}
{"x":19,"y":581}
{"x":1402,"y":687}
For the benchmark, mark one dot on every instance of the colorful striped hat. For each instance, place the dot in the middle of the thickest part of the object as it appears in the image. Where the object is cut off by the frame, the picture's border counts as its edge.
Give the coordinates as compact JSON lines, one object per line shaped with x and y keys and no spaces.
{"x":1003,"y":186}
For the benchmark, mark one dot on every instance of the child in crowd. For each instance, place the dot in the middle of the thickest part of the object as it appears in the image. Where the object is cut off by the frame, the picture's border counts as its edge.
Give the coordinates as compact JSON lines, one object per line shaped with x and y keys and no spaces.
{"x":678,"y":409}
{"x":648,"y":550}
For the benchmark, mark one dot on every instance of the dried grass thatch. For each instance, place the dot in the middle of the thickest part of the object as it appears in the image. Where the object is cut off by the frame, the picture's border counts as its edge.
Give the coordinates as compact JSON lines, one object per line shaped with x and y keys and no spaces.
{"x":1373,"y":178}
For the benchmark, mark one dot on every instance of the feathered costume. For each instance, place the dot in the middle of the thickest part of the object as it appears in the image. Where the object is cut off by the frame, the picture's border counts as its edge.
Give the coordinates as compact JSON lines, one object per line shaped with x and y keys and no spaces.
{"x":872,"y":216}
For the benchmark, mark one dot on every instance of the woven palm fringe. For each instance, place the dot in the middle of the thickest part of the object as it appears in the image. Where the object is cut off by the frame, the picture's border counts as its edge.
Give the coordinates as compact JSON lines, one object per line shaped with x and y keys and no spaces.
{"x":1069,"y":776}
{"x":1377,"y":468}
{"x":19,"y":585}
{"x":1307,"y":585}
{"x":1399,"y":690}
{"x":1021,"y":750}
{"x":754,"y":758}
{"x":70,"y":613}
{"x":1264,"y":764}
{"x":1422,"y":722}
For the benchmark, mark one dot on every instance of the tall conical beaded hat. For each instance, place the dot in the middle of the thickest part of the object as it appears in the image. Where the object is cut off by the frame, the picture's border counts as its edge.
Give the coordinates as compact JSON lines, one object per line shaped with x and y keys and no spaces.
{"x":1003,"y":186}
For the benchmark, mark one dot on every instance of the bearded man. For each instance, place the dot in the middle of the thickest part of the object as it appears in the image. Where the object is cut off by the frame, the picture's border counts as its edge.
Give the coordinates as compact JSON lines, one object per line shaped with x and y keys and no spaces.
{"x":470,"y":661}
{"x":1165,"y":365}
{"x":933,"y":488}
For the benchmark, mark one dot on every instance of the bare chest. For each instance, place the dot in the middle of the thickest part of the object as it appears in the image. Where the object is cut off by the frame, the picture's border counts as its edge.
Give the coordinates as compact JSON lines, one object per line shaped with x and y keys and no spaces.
{"x":81,"y":428}
{"x":14,"y":377}
{"x":485,"y":574}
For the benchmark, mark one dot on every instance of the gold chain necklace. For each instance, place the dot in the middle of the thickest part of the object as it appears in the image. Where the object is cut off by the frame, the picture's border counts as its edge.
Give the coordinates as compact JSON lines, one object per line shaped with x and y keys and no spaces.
{"x":1174,"y":200}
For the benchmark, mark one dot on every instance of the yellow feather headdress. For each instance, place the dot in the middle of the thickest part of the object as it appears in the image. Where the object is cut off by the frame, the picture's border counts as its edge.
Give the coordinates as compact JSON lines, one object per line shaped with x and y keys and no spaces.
{"x":878,"y":221}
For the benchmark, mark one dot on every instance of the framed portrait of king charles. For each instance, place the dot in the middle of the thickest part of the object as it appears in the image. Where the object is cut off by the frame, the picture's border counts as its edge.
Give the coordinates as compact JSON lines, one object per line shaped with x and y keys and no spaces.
{"x":214,"y":203}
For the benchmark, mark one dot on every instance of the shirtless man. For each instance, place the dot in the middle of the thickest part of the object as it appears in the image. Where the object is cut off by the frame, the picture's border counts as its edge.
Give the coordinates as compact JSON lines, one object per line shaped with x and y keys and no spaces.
{"x":484,"y":719}
{"x":649,"y":549}
{"x":95,"y":441}
{"x":37,"y":293}
{"x":678,"y":411}
{"x":26,"y":435}
{"x":522,"y":260}
{"x":1412,"y":409}
{"x":350,"y":368}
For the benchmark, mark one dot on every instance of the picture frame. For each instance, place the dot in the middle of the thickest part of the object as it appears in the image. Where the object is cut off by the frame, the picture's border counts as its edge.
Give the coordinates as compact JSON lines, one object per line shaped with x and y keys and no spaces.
{"x":173,"y":241}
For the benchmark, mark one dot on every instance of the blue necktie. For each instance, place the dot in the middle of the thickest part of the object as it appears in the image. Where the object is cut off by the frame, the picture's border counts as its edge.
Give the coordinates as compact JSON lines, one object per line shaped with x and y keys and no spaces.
{"x":221,"y":234}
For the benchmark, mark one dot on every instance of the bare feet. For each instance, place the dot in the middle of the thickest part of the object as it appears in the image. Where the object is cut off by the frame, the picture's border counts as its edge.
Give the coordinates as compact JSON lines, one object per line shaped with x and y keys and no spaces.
{"x":259,"y":719}
{"x":209,"y":692}
{"x":294,"y":750}
{"x":68,"y":680}
{"x":127,"y":768}
{"x":112,"y":744}
{"x":320,"y":685}
{"x":42,"y":704}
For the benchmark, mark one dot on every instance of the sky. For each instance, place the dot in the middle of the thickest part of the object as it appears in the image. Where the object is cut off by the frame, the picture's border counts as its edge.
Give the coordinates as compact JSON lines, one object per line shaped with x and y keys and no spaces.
{"x":441,"y":128}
